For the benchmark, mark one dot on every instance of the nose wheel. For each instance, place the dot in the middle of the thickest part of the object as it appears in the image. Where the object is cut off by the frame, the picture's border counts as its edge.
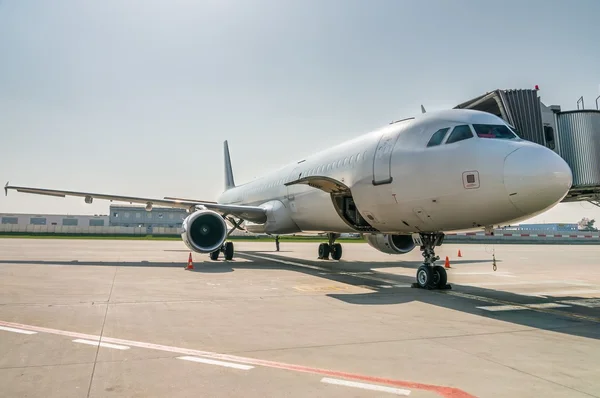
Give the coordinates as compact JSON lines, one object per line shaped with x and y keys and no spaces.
{"x":429,"y":275}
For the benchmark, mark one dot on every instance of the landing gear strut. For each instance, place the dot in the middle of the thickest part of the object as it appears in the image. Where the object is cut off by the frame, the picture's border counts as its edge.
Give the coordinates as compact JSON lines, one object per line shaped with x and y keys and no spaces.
{"x":429,"y":275}
{"x":335,"y":249}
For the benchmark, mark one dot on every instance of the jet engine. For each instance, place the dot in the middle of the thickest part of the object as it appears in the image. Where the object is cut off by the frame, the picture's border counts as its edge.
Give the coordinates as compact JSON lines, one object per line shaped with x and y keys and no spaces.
{"x":391,"y":244}
{"x":204,"y":231}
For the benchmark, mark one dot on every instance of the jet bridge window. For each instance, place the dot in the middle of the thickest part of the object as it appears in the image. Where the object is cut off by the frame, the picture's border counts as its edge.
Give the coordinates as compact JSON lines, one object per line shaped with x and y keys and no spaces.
{"x":499,"y":131}
{"x":438,"y":137}
{"x":460,"y":133}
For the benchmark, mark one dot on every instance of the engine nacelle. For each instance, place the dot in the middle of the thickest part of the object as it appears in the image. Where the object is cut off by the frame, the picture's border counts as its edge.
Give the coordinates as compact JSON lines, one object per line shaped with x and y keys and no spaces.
{"x":204,"y":231}
{"x":391,"y":244}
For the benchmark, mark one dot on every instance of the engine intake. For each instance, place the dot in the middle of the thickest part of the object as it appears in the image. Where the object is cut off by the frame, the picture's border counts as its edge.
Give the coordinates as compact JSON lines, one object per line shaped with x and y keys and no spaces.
{"x":391,"y":244}
{"x":204,"y":231}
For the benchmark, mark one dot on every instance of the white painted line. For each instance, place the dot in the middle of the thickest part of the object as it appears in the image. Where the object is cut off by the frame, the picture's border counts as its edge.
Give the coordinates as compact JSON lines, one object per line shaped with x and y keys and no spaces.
{"x":562,"y":293}
{"x":365,"y":386}
{"x":589,"y":303}
{"x":16,"y":330}
{"x":547,"y":305}
{"x":473,"y":297}
{"x":505,"y":274}
{"x":499,"y":302}
{"x":219,"y":363}
{"x":495,"y":308}
{"x":515,"y":283}
{"x":107,"y":345}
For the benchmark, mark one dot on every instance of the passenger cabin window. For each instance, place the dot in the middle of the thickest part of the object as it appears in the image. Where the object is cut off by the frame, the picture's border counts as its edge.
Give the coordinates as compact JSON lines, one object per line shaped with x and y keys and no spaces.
{"x":438,"y":137}
{"x":498,"y":131}
{"x":459,"y":133}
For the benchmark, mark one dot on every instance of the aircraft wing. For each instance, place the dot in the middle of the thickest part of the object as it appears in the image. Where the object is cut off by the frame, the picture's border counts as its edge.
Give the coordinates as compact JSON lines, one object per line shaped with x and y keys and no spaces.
{"x":254,"y":214}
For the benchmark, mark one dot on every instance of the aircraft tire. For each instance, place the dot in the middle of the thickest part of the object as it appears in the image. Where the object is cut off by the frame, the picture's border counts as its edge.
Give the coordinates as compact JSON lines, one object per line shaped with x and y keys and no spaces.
{"x":336,"y":251}
{"x":440,"y":277}
{"x":324,"y":251}
{"x":424,"y":276}
{"x":228,"y":250}
{"x":214,"y":255}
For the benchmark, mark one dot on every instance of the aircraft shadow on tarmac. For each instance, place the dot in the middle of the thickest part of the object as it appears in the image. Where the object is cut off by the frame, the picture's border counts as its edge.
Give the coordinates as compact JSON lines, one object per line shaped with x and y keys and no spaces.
{"x":581,"y":322}
{"x":574,"y":320}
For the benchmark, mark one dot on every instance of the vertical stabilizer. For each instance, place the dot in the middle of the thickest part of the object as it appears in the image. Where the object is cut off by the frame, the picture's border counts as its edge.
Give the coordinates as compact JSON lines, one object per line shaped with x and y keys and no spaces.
{"x":229,"y":183}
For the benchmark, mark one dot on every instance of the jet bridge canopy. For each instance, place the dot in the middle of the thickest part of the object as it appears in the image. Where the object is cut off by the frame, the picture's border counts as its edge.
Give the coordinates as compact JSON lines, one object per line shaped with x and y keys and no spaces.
{"x":574,"y":135}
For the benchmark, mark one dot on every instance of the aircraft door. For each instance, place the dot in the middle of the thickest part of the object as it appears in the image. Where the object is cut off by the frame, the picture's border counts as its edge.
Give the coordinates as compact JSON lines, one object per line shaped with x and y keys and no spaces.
{"x":383,"y":157}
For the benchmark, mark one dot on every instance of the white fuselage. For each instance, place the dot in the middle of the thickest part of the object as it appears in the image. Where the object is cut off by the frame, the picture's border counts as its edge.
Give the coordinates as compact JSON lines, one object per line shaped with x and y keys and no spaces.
{"x":400,"y":185}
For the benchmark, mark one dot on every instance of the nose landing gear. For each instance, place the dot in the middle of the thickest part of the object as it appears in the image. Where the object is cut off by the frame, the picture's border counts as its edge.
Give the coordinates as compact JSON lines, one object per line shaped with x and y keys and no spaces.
{"x":429,"y":275}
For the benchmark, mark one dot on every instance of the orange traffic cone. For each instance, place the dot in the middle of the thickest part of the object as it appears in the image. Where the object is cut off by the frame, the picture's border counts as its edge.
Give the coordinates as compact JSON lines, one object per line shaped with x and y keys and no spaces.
{"x":190,"y":264}
{"x":447,"y":265}
{"x":459,"y":255}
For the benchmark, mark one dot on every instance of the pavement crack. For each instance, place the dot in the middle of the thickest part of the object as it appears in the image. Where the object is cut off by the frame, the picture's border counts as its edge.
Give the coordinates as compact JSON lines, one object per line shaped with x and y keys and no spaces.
{"x":372,"y":342}
{"x":102,"y":331}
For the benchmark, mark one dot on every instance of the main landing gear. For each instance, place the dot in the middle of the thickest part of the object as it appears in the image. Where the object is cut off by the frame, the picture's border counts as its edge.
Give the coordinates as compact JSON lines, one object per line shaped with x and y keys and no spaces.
{"x":331,"y":248}
{"x":429,"y":275}
{"x":227,"y":250}
{"x":227,"y":247}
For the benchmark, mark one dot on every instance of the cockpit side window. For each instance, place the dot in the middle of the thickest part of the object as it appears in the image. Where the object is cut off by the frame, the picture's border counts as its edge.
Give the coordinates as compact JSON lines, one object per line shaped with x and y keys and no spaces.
{"x":460,"y":133}
{"x":498,"y":131}
{"x":438,"y":137}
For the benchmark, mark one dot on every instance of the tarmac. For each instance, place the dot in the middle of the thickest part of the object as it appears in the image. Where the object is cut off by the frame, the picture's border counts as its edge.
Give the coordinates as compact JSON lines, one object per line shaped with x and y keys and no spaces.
{"x":115,"y":318}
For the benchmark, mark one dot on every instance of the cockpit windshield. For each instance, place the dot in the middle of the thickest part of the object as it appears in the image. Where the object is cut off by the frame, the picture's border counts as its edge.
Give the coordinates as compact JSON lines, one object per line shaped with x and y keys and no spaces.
{"x":499,"y":131}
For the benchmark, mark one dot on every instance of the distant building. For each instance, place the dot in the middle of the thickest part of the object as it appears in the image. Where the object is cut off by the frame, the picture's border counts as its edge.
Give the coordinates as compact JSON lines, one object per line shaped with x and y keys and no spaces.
{"x":138,"y":216}
{"x":559,"y":227}
{"x":54,"y":219}
{"x":120,"y":216}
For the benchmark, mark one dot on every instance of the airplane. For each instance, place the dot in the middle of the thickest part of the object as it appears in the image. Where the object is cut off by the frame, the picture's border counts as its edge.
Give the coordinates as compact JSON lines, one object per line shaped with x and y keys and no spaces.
{"x":402,"y":185}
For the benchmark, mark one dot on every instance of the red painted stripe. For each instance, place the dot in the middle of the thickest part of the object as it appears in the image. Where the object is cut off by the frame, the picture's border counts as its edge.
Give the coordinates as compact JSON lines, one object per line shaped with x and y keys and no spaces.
{"x":572,"y":236}
{"x":542,"y":235}
{"x":507,"y":234}
{"x":446,"y":392}
{"x":587,"y":236}
{"x":558,"y":236}
{"x":524,"y":234}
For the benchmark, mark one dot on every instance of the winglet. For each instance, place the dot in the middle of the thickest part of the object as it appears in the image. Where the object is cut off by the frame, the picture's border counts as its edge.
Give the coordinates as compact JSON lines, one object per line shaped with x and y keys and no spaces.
{"x":422,"y":109}
{"x":229,"y":182}
{"x":6,"y":189}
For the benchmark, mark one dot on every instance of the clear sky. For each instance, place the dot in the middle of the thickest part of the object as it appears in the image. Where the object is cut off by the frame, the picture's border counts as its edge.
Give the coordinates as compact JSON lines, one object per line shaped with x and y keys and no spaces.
{"x":136,"y":97}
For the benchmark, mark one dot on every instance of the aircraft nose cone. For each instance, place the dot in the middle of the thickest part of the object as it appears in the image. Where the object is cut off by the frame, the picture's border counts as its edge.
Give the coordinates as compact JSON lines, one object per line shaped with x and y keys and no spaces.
{"x":536,"y":178}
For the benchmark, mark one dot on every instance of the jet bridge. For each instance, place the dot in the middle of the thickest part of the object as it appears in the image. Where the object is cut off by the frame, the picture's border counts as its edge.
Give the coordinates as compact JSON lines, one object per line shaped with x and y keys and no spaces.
{"x":572,"y":134}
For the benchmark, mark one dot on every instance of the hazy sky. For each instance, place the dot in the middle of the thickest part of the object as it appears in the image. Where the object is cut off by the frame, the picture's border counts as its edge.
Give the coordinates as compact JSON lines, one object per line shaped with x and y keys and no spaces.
{"x":136,"y":97}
